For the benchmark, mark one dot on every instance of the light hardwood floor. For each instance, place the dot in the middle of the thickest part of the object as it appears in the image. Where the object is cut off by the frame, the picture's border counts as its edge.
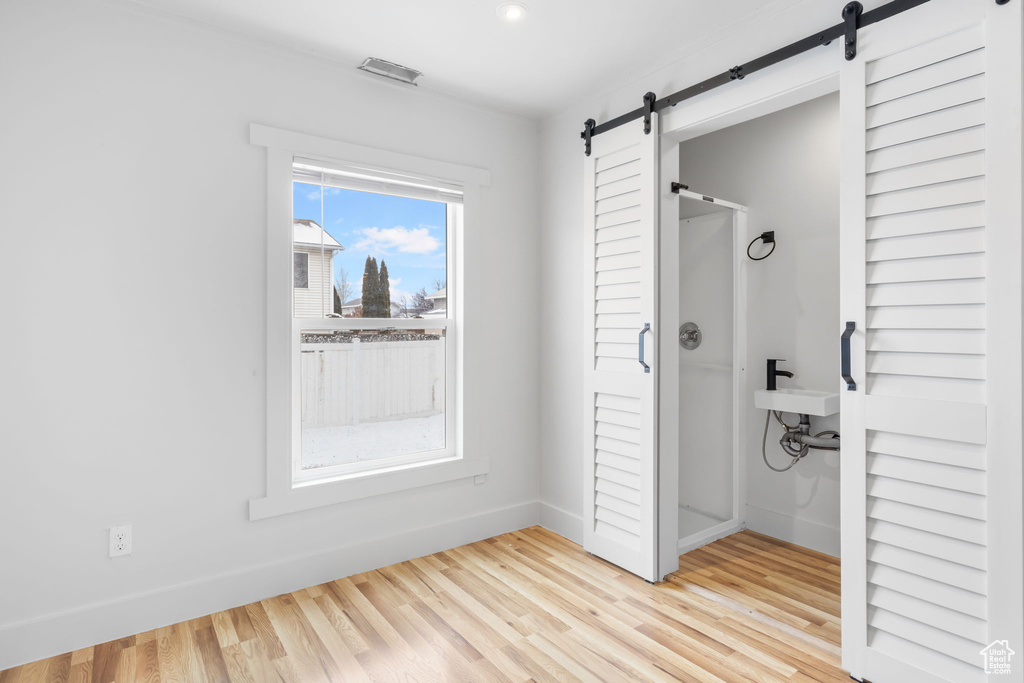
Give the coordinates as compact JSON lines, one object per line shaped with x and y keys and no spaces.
{"x":528,"y":605}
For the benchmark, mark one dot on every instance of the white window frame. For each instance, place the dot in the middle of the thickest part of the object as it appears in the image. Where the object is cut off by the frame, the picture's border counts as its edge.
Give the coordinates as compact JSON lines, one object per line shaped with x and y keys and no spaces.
{"x":285,"y":493}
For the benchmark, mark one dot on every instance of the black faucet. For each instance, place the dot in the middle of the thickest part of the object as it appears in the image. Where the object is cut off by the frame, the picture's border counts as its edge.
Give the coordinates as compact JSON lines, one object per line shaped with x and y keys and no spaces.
{"x":773,"y":373}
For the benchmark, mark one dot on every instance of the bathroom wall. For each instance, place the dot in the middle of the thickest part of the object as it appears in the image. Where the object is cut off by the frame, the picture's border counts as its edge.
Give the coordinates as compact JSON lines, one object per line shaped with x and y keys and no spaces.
{"x":785,"y":168}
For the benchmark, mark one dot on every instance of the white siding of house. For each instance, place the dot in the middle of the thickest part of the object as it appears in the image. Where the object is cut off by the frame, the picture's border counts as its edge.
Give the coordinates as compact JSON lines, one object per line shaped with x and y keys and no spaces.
{"x":307,"y":302}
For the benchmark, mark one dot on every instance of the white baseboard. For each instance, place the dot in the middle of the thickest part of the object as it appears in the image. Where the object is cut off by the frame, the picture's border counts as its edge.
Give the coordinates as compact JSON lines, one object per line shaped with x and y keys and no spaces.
{"x":824,"y":539}
{"x":694,"y":541}
{"x":55,"y":634}
{"x":563,"y":523}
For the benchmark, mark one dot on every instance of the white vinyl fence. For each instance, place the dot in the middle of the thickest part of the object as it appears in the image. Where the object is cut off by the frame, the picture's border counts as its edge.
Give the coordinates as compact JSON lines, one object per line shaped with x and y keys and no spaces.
{"x":355,"y":382}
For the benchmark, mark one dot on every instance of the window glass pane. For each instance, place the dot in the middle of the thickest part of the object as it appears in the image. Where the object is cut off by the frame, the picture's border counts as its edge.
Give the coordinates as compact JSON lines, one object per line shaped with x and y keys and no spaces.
{"x":301,"y":270}
{"x":314,"y":254}
{"x":370,"y":255}
{"x":371,"y":394}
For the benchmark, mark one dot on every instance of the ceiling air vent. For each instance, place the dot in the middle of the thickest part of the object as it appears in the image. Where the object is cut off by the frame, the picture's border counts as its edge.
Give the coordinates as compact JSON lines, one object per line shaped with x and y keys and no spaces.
{"x":391,"y":70}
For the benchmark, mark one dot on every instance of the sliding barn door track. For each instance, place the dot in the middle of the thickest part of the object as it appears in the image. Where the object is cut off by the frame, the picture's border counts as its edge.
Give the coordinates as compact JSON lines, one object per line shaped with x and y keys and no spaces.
{"x":854,"y":18}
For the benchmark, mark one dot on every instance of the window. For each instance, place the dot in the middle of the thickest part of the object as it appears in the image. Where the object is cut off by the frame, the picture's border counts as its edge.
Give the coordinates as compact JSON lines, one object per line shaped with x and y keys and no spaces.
{"x":301,"y":270}
{"x":370,"y":322}
{"x":331,"y":438}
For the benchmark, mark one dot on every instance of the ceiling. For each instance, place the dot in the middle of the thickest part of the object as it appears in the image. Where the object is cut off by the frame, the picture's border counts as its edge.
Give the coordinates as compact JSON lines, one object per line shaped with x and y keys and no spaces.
{"x":561,"y":51}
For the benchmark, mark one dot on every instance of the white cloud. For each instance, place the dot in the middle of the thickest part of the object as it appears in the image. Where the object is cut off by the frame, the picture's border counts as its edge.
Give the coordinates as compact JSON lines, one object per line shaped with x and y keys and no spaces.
{"x":415,"y":241}
{"x":315,"y":194}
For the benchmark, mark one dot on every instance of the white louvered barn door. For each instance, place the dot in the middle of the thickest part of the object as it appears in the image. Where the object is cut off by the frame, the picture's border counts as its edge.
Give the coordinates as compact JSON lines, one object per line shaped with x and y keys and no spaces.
{"x":620,"y":281}
{"x":930,"y":275}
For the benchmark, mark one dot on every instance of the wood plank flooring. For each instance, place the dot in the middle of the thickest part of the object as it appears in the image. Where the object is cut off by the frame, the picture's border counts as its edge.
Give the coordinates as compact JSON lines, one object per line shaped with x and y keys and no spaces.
{"x":524,"y":606}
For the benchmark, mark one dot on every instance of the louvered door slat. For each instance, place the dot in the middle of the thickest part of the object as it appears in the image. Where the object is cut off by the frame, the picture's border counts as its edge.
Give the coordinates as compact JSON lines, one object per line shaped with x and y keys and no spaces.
{"x":958,"y":623}
{"x":927,"y":519}
{"x":925,"y":55}
{"x":948,"y":94}
{"x":927,"y":172}
{"x":928,"y":543}
{"x":947,"y":243}
{"x":927,"y":221}
{"x":927,"y":125}
{"x":923,"y":269}
{"x":918,"y":152}
{"x":934,"y":75}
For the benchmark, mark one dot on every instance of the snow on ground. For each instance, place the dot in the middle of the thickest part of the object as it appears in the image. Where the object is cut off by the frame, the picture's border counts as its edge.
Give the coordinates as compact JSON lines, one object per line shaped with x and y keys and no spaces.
{"x":323,"y":446}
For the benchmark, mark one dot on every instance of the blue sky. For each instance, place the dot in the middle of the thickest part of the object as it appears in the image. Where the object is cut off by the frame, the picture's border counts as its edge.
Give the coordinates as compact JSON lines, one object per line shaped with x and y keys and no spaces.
{"x":408,"y":234}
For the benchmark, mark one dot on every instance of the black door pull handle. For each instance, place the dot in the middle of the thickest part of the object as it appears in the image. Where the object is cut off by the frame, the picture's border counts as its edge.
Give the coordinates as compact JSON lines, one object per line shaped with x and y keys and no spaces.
{"x":844,"y":348}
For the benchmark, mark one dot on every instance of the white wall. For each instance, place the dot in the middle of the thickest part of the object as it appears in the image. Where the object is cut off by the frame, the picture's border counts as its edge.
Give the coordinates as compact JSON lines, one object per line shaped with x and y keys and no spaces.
{"x":562,"y":234}
{"x":785,"y":168}
{"x":133,"y":390}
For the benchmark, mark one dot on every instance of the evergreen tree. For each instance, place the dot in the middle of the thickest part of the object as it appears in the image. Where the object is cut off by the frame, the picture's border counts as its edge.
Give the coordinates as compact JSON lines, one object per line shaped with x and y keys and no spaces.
{"x":337,"y":302}
{"x":384,"y":291}
{"x":371,"y":286}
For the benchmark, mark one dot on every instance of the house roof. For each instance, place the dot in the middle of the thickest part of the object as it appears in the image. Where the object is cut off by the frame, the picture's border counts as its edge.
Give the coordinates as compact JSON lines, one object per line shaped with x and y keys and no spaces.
{"x":308,"y":232}
{"x":438,"y":312}
{"x":439,"y":294}
{"x":353,"y":303}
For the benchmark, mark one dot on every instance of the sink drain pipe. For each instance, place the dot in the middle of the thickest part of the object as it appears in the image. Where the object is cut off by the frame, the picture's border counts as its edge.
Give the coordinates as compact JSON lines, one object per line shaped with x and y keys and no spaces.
{"x":797,"y":440}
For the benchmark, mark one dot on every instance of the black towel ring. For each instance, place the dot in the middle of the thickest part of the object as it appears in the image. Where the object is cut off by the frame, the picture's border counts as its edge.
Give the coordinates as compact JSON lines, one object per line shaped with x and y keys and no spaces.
{"x":766,"y":238}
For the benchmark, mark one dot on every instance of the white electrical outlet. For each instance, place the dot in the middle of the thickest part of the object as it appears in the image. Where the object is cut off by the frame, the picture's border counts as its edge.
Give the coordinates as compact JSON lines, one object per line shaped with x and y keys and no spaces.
{"x":120,"y":540}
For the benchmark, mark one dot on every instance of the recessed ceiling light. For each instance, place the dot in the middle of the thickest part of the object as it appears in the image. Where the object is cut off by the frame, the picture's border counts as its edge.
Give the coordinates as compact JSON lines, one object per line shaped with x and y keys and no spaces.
{"x":511,"y":11}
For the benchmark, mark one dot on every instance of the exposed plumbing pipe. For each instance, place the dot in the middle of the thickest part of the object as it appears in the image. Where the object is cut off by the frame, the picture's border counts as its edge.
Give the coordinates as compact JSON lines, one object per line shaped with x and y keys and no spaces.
{"x":797,"y":440}
{"x":826,"y":444}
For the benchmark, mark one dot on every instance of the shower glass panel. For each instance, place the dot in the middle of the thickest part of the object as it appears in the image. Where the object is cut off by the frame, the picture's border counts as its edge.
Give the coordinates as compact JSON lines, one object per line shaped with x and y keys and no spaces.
{"x":707,"y":372}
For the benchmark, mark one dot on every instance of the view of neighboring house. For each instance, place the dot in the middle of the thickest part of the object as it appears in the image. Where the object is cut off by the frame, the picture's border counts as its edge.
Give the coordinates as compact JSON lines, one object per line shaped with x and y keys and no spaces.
{"x":440,"y":301}
{"x":313,"y":253}
{"x":353,"y":309}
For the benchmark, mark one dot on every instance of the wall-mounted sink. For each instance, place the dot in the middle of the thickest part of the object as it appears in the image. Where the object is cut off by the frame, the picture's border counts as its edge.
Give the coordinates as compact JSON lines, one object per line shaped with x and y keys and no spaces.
{"x":819,"y":403}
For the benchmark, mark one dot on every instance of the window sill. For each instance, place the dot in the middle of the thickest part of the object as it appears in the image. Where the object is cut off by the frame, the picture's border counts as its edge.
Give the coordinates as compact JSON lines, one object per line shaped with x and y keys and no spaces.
{"x":314,"y":494}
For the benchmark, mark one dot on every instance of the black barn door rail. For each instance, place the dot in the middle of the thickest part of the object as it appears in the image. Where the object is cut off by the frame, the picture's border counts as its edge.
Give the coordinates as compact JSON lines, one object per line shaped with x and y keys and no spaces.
{"x":853,"y":19}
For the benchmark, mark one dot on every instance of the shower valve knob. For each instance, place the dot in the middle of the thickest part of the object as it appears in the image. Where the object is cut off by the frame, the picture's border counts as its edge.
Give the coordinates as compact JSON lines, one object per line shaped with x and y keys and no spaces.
{"x":690,"y":336}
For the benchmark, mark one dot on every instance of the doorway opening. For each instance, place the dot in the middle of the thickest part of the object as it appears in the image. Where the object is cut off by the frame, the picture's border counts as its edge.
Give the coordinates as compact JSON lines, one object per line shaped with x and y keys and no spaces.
{"x":735,"y":300}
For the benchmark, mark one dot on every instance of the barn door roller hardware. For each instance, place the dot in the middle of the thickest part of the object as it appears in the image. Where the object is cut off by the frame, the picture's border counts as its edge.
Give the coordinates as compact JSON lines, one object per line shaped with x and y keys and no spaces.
{"x":853,"y":18}
{"x":588,"y":131}
{"x":649,"y":100}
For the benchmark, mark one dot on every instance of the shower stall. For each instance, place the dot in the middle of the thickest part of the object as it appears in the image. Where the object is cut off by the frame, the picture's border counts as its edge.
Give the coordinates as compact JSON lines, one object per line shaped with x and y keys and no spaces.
{"x":704,"y":293}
